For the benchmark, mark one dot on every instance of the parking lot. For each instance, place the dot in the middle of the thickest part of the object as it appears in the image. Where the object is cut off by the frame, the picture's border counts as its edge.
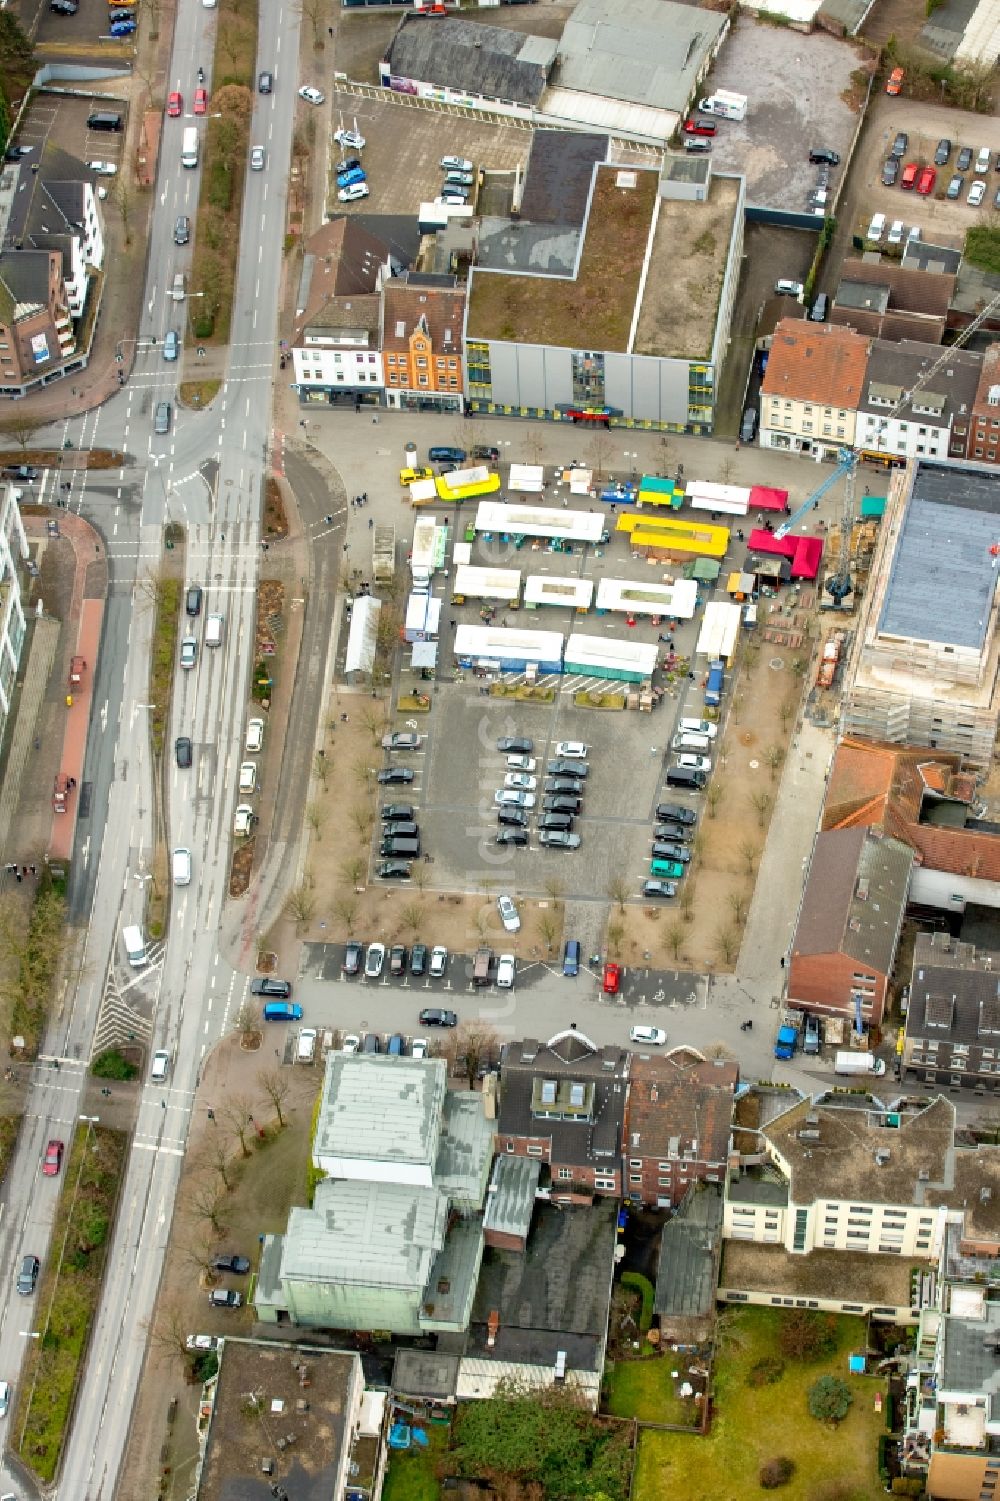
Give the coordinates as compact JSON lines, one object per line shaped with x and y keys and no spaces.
{"x":85,"y":34}
{"x":404,"y":144}
{"x":61,"y":123}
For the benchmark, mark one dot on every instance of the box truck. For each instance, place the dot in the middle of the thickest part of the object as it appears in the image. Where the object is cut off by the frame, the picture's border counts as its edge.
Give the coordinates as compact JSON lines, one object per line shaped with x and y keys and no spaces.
{"x":135,"y":946}
{"x":858,"y":1063}
{"x":189,"y":147}
{"x":716,"y":683}
{"x":725,"y":104}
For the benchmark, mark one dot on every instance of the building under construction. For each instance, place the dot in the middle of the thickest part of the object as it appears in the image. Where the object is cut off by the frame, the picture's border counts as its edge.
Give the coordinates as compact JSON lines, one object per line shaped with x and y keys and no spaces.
{"x":923,"y":667}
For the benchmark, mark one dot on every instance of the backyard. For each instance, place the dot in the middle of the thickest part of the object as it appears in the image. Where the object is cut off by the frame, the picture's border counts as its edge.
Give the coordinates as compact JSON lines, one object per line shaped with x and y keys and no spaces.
{"x":648,"y":1390}
{"x":755,"y":1423}
{"x":412,"y":1473}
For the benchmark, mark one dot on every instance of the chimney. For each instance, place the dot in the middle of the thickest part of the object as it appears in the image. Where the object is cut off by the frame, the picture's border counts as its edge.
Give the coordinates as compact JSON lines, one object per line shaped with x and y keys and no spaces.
{"x":654,"y":1094}
{"x":492,"y":1328}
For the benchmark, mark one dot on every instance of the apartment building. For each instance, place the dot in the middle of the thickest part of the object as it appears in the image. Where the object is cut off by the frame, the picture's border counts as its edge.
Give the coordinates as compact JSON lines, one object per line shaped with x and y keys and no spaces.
{"x":812,"y":387}
{"x":678,"y":1116}
{"x":935,"y":421}
{"x":336,"y":345}
{"x":984,"y":439}
{"x":422,"y":320}
{"x":952,"y":1035}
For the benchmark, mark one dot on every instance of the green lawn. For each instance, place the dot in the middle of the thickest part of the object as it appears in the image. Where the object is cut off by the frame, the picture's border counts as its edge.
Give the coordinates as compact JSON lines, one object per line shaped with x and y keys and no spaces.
{"x":646,"y":1390}
{"x":751,"y":1425}
{"x":411,"y":1475}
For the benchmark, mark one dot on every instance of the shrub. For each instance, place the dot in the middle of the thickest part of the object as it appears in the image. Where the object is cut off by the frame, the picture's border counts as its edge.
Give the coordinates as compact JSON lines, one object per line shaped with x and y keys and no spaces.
{"x":112,"y":1064}
{"x":767,"y":1371}
{"x":830,"y":1399}
{"x":807,"y":1335}
{"x":642,"y":1285}
{"x":775,"y":1472}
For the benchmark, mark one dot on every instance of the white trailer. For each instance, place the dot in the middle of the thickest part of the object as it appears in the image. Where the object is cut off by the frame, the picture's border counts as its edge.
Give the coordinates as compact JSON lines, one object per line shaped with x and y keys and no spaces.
{"x":858,"y":1063}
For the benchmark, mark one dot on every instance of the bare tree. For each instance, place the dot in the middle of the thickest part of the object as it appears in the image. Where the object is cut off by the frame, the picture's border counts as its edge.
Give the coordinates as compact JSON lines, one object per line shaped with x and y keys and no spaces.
{"x":749,"y":854}
{"x":786,"y":712}
{"x":314,"y":11}
{"x":169,"y":1330}
{"x":420,"y":875}
{"x":686,"y":902}
{"x":316,"y":815}
{"x":246,"y":1022}
{"x":352,"y":869}
{"x":363,"y":772}
{"x":601,"y":444}
{"x":675,"y":940}
{"x":726,"y":471}
{"x":477,"y":1043}
{"x":411,"y":917}
{"x":219,"y":1159}
{"x":237,"y":1112}
{"x":739,"y":904}
{"x":345,"y":910}
{"x":123,"y":203}
{"x":618,"y":891}
{"x":362,"y":818}
{"x":200,"y":1253}
{"x":713,"y":795}
{"x":300,"y":906}
{"x":737,"y":709}
{"x":774,"y":755}
{"x":275,"y":1085}
{"x":548,"y":927}
{"x":20,"y":429}
{"x":719,"y":1050}
{"x":727,"y":944}
{"x":554,"y":888}
{"x":762,"y":806}
{"x":375,"y":723}
{"x":614,"y":934}
{"x":321,"y":769}
{"x":204,"y":1201}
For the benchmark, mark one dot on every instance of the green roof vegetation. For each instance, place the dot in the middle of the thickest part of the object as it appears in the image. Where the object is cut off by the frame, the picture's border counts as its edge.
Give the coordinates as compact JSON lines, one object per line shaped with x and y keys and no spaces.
{"x":596,"y":308}
{"x":982,"y":247}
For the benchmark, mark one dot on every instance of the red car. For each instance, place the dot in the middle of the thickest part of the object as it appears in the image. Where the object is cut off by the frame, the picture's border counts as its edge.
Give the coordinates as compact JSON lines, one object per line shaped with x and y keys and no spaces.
{"x":698,"y":127}
{"x":926,"y":181}
{"x":200,"y":101}
{"x":52,"y":1160}
{"x":909,"y":176}
{"x":612,"y":982}
{"x":175,"y":105}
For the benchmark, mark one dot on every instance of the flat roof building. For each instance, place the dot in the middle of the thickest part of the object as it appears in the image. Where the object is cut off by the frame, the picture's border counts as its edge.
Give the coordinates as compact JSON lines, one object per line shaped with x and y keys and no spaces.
{"x":923,"y":666}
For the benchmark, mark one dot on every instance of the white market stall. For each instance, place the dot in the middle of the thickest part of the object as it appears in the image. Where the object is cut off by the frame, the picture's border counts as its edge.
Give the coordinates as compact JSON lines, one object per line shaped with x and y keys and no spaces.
{"x":719,"y":630}
{"x":527,"y":478}
{"x":632,"y":597}
{"x":567,"y":593}
{"x":534,"y":521}
{"x":608,"y":657}
{"x":489,"y":583}
{"x":504,"y":649}
{"x":732,"y":500}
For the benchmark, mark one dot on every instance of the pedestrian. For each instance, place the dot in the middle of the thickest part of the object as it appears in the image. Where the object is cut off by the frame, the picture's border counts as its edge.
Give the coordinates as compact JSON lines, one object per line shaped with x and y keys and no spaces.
{"x":302,"y":422}
{"x":328,"y":520}
{"x":374,"y":422}
{"x":33,"y":869}
{"x":781,"y":961}
{"x":760,"y":517}
{"x":329,"y":31}
{"x":453,"y":624}
{"x":17,"y":873}
{"x":364,"y":497}
{"x":371,"y":522}
{"x":222,"y":536}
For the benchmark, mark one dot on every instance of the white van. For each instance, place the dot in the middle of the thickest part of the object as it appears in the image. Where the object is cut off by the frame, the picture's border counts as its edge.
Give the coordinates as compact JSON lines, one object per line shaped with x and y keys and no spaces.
{"x":214,"y":626}
{"x":306,"y":1049}
{"x":181,"y":866}
{"x":876,"y":228}
{"x":135,"y":946}
{"x":160,"y":1067}
{"x":177,"y":291}
{"x":686,"y":742}
{"x":248,"y":776}
{"x":698,"y":727}
{"x":687,"y":761}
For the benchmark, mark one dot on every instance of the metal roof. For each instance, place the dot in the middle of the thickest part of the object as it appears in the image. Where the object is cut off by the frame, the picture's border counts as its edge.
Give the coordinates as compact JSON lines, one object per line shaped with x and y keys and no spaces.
{"x":379,"y":1107}
{"x":511,"y":1198}
{"x":366,"y":1234}
{"x":650,"y":52}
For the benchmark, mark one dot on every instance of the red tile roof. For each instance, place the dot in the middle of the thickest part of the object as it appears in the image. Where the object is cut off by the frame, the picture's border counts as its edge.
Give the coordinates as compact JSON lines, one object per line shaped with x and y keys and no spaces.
{"x":679,"y":1101}
{"x":816,"y":362}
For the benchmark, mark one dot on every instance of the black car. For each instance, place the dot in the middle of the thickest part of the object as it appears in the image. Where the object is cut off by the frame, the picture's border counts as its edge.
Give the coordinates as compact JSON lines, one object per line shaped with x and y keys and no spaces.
{"x":677,"y":812}
{"x":890,"y":171}
{"x":666,"y":849}
{"x":561,"y":784}
{"x":28,"y":1275}
{"x":349,"y":164}
{"x":676,"y":831}
{"x":963,"y":161}
{"x":394,"y":870}
{"x":192,"y":600}
{"x":397,"y":959}
{"x":659,"y":888}
{"x":352,"y":957}
{"x":418,"y":959}
{"x":943,"y":152}
{"x":900,"y":144}
{"x":121,"y":15}
{"x":512,"y":818}
{"x":183,"y":751}
{"x":561,"y":804}
{"x":20,"y":471}
{"x":266,"y":986}
{"x":433,"y":1016}
{"x":512,"y":836}
{"x":64,"y":7}
{"x":824,"y":154}
{"x":397,"y":813}
{"x":238,"y":1264}
{"x":370,"y":1043}
{"x":577,"y":769}
{"x":556,"y":821}
{"x":487,"y":453}
{"x":519,"y":745}
{"x":393,"y":776}
{"x":265,"y":82}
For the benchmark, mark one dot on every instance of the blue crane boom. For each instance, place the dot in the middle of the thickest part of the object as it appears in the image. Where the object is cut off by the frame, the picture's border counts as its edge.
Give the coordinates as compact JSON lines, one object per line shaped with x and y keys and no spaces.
{"x":845,"y":463}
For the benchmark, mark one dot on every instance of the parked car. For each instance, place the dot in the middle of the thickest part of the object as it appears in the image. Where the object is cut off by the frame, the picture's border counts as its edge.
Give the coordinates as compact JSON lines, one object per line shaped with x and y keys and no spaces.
{"x":458,"y":180}
{"x":349,"y":140}
{"x":521,"y":763}
{"x":677,"y":812}
{"x":559,"y":839}
{"x":353,"y":951}
{"x":976,"y":194}
{"x":103,"y":169}
{"x":963,"y":160}
{"x":926,"y":181}
{"x":374,"y":960}
{"x":571,"y":958}
{"x":518,"y":744}
{"x":520,"y":781}
{"x":392,"y":776}
{"x":311,"y":95}
{"x":267,"y":985}
{"x":894,"y":83}
{"x":810,"y":1034}
{"x":611,"y":980}
{"x":398,"y":813}
{"x":909,"y":177}
{"x":895,"y":235}
{"x":394,"y":870}
{"x":512,"y":818}
{"x":555,"y":785}
{"x":676,"y":831}
{"x":255,"y":736}
{"x":509,"y":797}
{"x":508,"y":914}
{"x":578,"y":770}
{"x":671,"y":870}
{"x":900,"y":144}
{"x":824,"y":154}
{"x":183,"y":753}
{"x":651,"y":1036}
{"x":659,"y":889}
{"x":238,"y":1264}
{"x":517,"y":837}
{"x":397,"y":959}
{"x":982,"y":160}
{"x":225,"y":1297}
{"x":890,"y":171}
{"x":418,"y":960}
{"x":786,"y":288}
{"x":955,"y":186}
{"x":52,"y":1161}
{"x":353,"y":193}
{"x":572,"y":750}
{"x":455,"y":164}
{"x":434,"y":1016}
{"x":666,"y":849}
{"x":506,"y":966}
{"x":943,"y":152}
{"x":486,"y":453}
{"x":556,"y":821}
{"x":419,"y":1047}
{"x":697,"y":125}
{"x":561,"y":803}
{"x":439,"y":961}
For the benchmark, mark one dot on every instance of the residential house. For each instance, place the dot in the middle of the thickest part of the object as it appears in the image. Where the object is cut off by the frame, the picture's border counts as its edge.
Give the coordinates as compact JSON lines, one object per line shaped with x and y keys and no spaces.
{"x":984,"y":441}
{"x":952,"y":1035}
{"x":812,"y":387}
{"x":934,"y":421}
{"x":336,"y":345}
{"x":563,"y":1102}
{"x":925,"y":799}
{"x":678,"y":1113}
{"x":407,"y":1161}
{"x":847,"y":931}
{"x":422,"y":320}
{"x":36,"y":327}
{"x":923,"y":666}
{"x":886,"y":300}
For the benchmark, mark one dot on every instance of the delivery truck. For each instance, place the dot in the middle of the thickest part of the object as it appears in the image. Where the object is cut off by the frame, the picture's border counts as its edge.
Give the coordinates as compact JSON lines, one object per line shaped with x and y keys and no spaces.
{"x":725,"y":104}
{"x":189,"y":147}
{"x":858,"y":1063}
{"x":715,"y":683}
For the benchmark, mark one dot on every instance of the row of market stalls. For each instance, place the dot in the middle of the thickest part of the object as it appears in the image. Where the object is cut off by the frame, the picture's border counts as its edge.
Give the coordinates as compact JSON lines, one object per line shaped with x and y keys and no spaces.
{"x":490,"y":648}
{"x":675,"y":598}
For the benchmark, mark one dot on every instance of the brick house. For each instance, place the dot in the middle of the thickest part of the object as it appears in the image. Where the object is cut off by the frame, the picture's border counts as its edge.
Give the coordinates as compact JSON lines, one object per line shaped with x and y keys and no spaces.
{"x":678,"y":1114}
{"x":983,"y":444}
{"x":422,"y":321}
{"x":849,"y":923}
{"x":812,"y":387}
{"x":563,"y":1102}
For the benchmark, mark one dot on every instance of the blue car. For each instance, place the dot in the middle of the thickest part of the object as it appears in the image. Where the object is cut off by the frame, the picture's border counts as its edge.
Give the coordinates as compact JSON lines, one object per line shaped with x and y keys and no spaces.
{"x":348,"y":179}
{"x":122,"y":28}
{"x":282,"y":1011}
{"x":571,"y":957}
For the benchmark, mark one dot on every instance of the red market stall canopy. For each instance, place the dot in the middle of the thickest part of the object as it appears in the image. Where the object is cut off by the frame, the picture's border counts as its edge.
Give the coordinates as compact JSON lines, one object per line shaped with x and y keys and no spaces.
{"x":803,"y":553}
{"x":763,"y":498}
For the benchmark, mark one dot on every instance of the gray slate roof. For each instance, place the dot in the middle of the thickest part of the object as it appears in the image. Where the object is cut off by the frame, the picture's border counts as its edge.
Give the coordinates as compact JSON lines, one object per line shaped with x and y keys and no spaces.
{"x":954,"y":993}
{"x":854,"y":897}
{"x":895,"y":367}
{"x":511,"y":1198}
{"x":643,"y":51}
{"x":469,"y":56}
{"x":588,"y":1137}
{"x":685,"y":1275}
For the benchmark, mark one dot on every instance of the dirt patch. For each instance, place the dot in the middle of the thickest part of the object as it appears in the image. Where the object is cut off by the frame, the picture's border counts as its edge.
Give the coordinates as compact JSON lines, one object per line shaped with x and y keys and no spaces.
{"x":242,"y":867}
{"x":275,"y":517}
{"x":270,"y":611}
{"x":55,"y":458}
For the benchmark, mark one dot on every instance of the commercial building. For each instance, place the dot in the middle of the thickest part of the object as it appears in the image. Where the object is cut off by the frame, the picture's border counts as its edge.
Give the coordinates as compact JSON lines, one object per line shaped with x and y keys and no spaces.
{"x":847,"y":931}
{"x":923,"y":663}
{"x":678,"y":1118}
{"x":934,"y":422}
{"x":886,"y":300}
{"x":575,"y":313}
{"x":459,"y":61}
{"x":422,"y":318}
{"x":13,"y":554}
{"x":407,"y":1161}
{"x":811,"y":388}
{"x":984,"y":440}
{"x":336,"y":344}
{"x":563,"y":1102}
{"x":952,"y":1035}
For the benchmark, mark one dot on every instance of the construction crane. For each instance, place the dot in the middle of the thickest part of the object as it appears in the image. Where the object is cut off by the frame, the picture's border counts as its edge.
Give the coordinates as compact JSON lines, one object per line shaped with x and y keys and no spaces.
{"x":839,"y":583}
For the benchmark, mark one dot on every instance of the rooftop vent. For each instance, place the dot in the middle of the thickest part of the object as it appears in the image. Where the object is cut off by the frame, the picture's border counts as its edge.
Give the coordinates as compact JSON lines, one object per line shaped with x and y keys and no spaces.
{"x":882,"y":1156}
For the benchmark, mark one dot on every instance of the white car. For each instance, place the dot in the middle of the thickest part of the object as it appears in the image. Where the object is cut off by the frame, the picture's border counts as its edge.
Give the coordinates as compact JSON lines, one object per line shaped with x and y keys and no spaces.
{"x":103,"y":169}
{"x":374,"y":960}
{"x":202,"y":1341}
{"x":351,"y":1043}
{"x":243,"y":819}
{"x":571,"y":750}
{"x":876,"y":228}
{"x":455,"y":164}
{"x":976,"y":194}
{"x":505,"y":972}
{"x":439,"y":960}
{"x":189,"y":652}
{"x":255,"y":735}
{"x":786,"y":288}
{"x":508,"y":914}
{"x":689,"y":762}
{"x":353,"y":193}
{"x":4,"y":1398}
{"x":312,"y":96}
{"x":257,"y":158}
{"x":655,"y":1036}
{"x":511,"y":798}
{"x":521,"y":781}
{"x":419,"y":1047}
{"x":521,"y":763}
{"x":698,"y":727}
{"x":351,"y":140}
{"x":453,"y":200}
{"x":895,"y":235}
{"x":248,"y":776}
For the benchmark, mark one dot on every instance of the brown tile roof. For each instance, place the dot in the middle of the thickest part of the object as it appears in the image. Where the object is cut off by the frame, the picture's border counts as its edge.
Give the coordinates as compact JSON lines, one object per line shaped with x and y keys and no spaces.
{"x":676,"y":1105}
{"x":346,"y":261}
{"x":989,"y":377}
{"x":816,"y":362}
{"x":442,"y":307}
{"x":853,"y":898}
{"x":910,"y":289}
